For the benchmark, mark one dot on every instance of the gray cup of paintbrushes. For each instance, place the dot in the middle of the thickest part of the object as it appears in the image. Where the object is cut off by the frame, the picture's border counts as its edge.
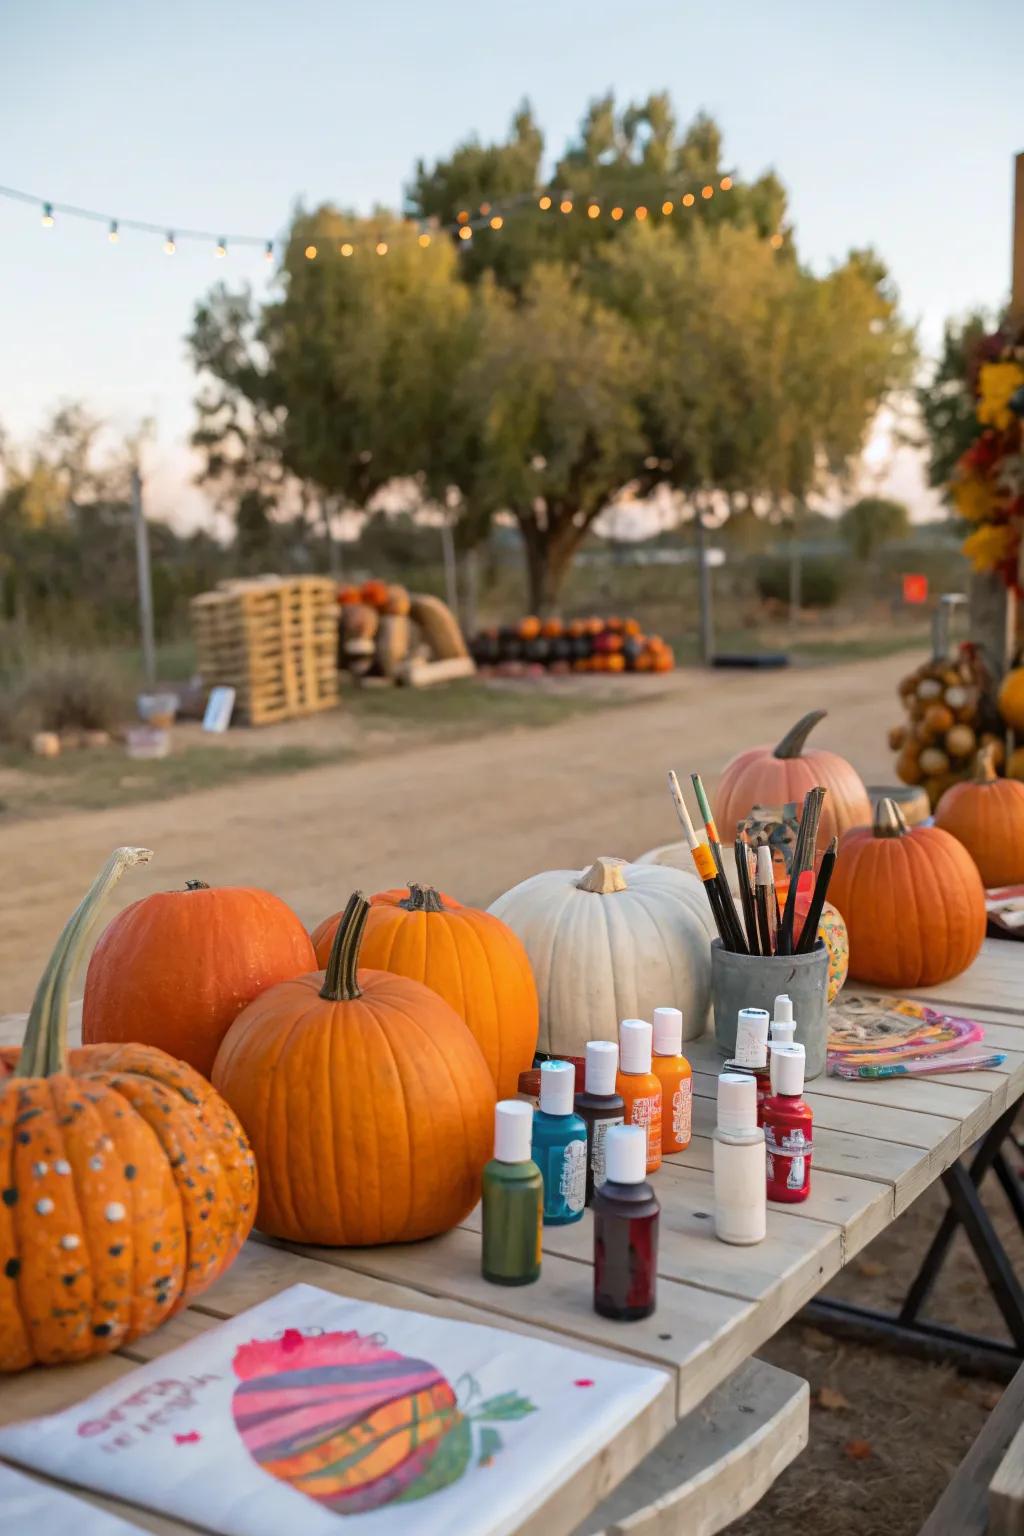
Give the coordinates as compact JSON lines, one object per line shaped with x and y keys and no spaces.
{"x":755,"y":981}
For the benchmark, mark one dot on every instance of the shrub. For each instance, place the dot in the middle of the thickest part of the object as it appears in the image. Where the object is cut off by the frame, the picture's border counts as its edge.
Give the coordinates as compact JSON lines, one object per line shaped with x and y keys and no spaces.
{"x":821,"y":581}
{"x":63,"y":694}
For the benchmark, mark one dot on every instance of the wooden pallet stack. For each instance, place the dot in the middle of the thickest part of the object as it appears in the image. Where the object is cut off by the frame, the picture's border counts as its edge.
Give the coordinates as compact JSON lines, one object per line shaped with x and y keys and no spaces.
{"x":274,"y":641}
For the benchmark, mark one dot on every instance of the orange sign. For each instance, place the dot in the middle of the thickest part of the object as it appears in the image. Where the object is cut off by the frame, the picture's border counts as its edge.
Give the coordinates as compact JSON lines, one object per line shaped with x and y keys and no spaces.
{"x":915,"y":589}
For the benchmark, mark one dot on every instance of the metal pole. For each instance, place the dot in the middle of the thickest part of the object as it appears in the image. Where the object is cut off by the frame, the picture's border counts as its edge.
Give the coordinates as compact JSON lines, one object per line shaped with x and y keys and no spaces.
{"x":471,"y":586}
{"x":707,"y":640}
{"x":795,"y":593}
{"x":451,"y":583}
{"x":145,"y":582}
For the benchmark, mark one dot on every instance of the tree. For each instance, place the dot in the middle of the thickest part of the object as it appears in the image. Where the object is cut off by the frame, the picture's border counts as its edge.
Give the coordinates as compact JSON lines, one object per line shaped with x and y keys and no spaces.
{"x":871,"y":522}
{"x":947,"y":401}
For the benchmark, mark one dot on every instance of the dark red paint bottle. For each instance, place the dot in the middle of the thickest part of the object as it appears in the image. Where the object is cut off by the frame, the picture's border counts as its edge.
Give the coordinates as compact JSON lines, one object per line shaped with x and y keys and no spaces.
{"x":788,"y":1128}
{"x":626,"y":1213}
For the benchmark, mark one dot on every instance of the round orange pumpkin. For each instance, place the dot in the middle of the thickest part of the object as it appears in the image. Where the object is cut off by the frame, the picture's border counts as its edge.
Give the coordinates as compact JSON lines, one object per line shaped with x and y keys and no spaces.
{"x":127,"y":1185}
{"x":529,"y":628}
{"x":470,"y":958}
{"x":1011,"y":699}
{"x":986,"y":814}
{"x":774,"y":776}
{"x":367,"y":1101}
{"x":912,"y":900}
{"x":176,"y":969}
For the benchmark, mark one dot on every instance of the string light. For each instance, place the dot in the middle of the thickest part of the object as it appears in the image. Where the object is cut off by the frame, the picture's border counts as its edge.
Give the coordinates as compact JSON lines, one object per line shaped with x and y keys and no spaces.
{"x":222,"y":248}
{"x":544,"y":203}
{"x":688,"y":200}
{"x":346,"y":249}
{"x":424,"y":240}
{"x":310,"y":253}
{"x":497,"y":221}
{"x":169,"y":245}
{"x":617,"y":214}
{"x":381,"y":247}
{"x":776,"y":242}
{"x":465,"y":233}
{"x":463,"y":216}
{"x":47,"y":218}
{"x":485,"y":209}
{"x":667,"y":207}
{"x":594,"y":211}
{"x":112,"y":234}
{"x":707,"y":191}
{"x":641,"y":212}
{"x":565,"y":206}
{"x":725,"y":184}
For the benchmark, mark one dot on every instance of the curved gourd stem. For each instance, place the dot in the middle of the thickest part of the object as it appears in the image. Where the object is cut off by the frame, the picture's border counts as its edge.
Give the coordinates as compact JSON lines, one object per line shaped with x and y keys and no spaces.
{"x":889,"y":820}
{"x":795,"y":739}
{"x":340,"y":983}
{"x":422,"y":898}
{"x":985,"y":764}
{"x":604,"y":877}
{"x":45,"y":1050}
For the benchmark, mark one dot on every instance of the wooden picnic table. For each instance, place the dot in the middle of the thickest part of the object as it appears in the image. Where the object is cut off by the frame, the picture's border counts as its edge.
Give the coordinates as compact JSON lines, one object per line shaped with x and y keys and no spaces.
{"x":877,"y":1146}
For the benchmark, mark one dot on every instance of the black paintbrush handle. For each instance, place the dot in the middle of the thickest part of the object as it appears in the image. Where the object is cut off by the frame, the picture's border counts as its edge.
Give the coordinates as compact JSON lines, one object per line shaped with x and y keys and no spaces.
{"x":746,"y":895}
{"x":809,"y":932}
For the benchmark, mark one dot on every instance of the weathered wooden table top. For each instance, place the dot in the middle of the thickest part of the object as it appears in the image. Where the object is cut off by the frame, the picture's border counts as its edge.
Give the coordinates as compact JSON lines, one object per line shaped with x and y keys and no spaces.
{"x":877,"y":1145}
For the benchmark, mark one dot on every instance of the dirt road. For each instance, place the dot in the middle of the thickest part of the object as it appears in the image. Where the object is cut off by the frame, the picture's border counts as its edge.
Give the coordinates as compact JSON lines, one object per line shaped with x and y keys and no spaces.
{"x":470,"y":816}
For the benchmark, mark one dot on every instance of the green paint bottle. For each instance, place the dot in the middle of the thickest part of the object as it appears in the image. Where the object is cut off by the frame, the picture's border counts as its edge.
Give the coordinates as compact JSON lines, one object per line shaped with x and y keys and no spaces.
{"x":513,"y":1199}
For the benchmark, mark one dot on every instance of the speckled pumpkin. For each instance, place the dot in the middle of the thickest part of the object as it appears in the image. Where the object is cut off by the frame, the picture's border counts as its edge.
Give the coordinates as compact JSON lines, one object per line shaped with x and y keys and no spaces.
{"x":126,"y":1184}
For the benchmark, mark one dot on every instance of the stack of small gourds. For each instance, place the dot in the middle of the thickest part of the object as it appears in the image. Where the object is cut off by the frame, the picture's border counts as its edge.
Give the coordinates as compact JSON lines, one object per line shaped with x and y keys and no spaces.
{"x":534,"y":646}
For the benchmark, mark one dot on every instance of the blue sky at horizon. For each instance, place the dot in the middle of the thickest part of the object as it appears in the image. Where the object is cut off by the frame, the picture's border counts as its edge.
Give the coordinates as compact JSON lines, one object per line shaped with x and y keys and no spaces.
{"x":890,"y":125}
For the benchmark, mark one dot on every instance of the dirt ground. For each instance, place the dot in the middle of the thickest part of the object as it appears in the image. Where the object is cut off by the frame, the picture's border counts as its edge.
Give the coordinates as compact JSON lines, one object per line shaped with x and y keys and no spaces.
{"x":474,"y":817}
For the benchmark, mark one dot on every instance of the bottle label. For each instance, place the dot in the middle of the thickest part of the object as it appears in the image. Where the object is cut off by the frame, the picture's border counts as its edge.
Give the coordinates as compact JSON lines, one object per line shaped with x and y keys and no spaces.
{"x":572,"y":1185}
{"x":646,"y":1112}
{"x":792,"y":1143}
{"x":682,"y":1111}
{"x":601,"y":1129}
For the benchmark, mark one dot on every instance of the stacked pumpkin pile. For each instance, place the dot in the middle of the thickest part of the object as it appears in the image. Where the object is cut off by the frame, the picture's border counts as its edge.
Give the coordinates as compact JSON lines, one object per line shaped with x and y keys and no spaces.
{"x":389,"y":633}
{"x":947,"y":721}
{"x":535,"y":646}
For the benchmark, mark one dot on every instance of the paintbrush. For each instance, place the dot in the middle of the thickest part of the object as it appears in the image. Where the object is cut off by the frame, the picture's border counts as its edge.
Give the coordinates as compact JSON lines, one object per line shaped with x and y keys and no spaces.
{"x":765,"y":900}
{"x":704,"y":861}
{"x":714,"y":843}
{"x":809,"y":932}
{"x":746,"y":894}
{"x":803,"y":859}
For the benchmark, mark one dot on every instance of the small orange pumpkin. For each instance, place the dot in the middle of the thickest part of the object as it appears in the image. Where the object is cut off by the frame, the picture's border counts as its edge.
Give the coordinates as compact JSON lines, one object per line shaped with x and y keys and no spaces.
{"x":529,"y":628}
{"x":128,"y":1186}
{"x":374,"y":593}
{"x":349,"y":595}
{"x":986,"y":814}
{"x":912,"y":900}
{"x":176,"y":969}
{"x":551,"y":629}
{"x":367,"y":1101}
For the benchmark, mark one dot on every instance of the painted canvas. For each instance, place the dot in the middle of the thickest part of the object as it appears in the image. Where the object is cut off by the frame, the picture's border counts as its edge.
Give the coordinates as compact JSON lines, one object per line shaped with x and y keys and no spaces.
{"x":337,"y":1418}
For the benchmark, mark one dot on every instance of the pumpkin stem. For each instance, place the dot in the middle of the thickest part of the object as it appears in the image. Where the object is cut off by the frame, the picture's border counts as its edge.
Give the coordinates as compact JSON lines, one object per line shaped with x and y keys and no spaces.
{"x":889,"y":820}
{"x":422,"y":898}
{"x":604,"y":877}
{"x":795,"y":739}
{"x":45,"y":1050}
{"x":340,"y":982}
{"x":985,"y":764}
{"x":196,"y":885}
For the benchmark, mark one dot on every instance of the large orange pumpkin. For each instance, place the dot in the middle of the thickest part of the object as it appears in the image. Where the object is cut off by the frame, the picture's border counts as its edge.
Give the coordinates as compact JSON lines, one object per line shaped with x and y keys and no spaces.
{"x":470,"y":958}
{"x":367,"y":1101}
{"x":126,"y":1185}
{"x":912,"y":900}
{"x":986,"y":814}
{"x":774,"y":776}
{"x":176,"y":969}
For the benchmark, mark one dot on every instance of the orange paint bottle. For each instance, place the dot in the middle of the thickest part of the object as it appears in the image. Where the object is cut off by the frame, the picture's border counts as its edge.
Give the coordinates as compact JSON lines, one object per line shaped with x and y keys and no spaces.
{"x":640,"y":1089}
{"x":672,"y":1070}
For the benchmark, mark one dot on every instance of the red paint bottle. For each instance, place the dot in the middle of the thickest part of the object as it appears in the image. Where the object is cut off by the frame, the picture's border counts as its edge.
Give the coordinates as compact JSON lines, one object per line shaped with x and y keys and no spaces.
{"x":626,"y":1213}
{"x":788,"y":1128}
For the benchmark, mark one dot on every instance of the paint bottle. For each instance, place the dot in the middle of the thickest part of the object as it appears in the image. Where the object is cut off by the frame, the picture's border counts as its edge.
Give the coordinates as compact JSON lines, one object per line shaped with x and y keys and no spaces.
{"x":672,"y":1070}
{"x":560,"y":1145}
{"x":599,"y":1106}
{"x":788,"y":1128}
{"x":626,"y":1215}
{"x":739,"y":1162}
{"x":638,"y":1085}
{"x":752,"y":1051}
{"x":783,"y":1025}
{"x":513,"y":1200}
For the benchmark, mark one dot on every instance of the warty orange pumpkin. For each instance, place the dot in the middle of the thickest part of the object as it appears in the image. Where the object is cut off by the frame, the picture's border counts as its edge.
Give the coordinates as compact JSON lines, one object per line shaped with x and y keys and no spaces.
{"x":912,"y":900}
{"x":774,"y":776}
{"x":176,"y":969}
{"x":367,"y":1101}
{"x":126,"y":1184}
{"x":986,"y":814}
{"x":470,"y":958}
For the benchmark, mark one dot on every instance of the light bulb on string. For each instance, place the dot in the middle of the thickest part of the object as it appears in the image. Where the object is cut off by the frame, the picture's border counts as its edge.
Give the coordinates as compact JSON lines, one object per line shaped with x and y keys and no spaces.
{"x":667,"y":207}
{"x":707,"y":191}
{"x":112,"y":234}
{"x":347,"y":248}
{"x":310,"y":253}
{"x":497,"y":221}
{"x":688,"y":199}
{"x":424,"y":240}
{"x":776,"y":242}
{"x":485,"y":209}
{"x":725,"y":185}
{"x":640,"y":212}
{"x":544,"y":203}
{"x":594,"y":211}
{"x":222,"y":247}
{"x":565,"y":206}
{"x":465,"y":233}
{"x":47,"y":218}
{"x":617,"y":214}
{"x":381,"y":247}
{"x":463,"y":216}
{"x":169,"y":245}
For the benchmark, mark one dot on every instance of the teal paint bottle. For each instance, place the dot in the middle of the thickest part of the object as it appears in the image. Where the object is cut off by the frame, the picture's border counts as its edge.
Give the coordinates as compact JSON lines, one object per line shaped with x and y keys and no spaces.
{"x":513,"y":1200}
{"x":560,"y":1145}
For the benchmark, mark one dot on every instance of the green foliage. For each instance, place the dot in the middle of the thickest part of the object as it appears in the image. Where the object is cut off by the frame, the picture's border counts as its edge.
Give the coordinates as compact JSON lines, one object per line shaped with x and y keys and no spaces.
{"x":947,"y":400}
{"x":62,"y":694}
{"x":821,"y":580}
{"x":871,"y":522}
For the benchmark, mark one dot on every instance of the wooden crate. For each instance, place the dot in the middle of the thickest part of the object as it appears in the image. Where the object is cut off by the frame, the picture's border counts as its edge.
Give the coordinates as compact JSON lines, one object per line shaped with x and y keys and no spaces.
{"x":274,"y":641}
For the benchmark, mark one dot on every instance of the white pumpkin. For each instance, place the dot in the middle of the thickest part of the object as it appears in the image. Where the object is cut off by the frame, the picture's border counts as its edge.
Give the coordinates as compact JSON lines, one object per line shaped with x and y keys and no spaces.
{"x":612,"y":942}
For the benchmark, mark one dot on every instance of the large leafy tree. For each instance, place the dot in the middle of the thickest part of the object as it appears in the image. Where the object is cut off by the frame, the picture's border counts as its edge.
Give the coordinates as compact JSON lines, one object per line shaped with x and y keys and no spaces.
{"x":946,"y":398}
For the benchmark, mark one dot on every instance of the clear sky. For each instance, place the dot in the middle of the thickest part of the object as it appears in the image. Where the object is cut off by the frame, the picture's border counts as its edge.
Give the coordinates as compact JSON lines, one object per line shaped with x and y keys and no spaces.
{"x":890,"y":123}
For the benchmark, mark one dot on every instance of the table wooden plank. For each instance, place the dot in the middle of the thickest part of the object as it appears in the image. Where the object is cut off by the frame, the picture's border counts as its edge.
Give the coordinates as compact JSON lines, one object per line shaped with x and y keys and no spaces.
{"x":993,"y":979}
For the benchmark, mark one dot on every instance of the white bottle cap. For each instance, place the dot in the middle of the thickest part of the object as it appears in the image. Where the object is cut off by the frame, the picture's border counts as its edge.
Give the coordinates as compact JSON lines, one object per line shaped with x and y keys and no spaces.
{"x":737,"y":1102}
{"x":782,"y":1032}
{"x":513,"y":1129}
{"x":635,"y":1037}
{"x":788,"y":1070}
{"x":602,"y":1065}
{"x":782,"y":1013}
{"x":752,"y":1037}
{"x":557,"y":1087}
{"x":668,"y":1032}
{"x":625,"y":1154}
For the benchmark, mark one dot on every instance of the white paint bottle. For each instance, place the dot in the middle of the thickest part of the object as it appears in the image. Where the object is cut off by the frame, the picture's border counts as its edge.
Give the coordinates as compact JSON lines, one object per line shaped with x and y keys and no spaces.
{"x":738,"y":1150}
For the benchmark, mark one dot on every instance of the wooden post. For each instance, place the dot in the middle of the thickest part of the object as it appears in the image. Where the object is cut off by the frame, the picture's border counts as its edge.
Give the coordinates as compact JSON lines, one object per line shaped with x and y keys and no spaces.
{"x":1017,"y":256}
{"x":707,"y":628}
{"x":451,"y":580}
{"x":145,"y":582}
